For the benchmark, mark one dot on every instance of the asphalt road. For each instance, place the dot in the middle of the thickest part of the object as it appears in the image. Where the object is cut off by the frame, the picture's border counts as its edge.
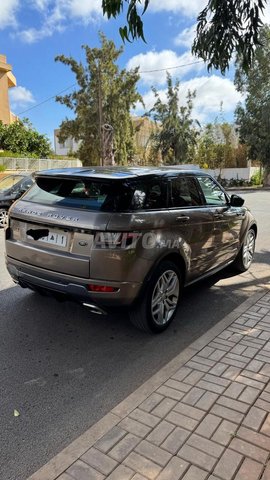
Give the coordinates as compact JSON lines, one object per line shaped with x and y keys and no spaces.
{"x":63,"y":368}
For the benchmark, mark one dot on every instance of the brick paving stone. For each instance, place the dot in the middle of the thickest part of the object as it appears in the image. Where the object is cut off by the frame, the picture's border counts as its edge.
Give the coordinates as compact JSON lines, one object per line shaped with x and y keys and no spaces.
{"x":217,"y":355}
{"x":224,"y":348}
{"x":65,"y":476}
{"x":144,"y":417}
{"x":249,"y":381}
{"x":265,"y":396}
{"x":124,"y":447}
{"x":196,"y":457}
{"x":175,"y":440}
{"x":164,"y":407}
{"x":265,"y":370}
{"x":253,"y":437}
{"x":224,"y":335}
{"x":266,"y":426}
{"x":194,"y":377}
{"x":205,"y":445}
{"x":266,"y":474}
{"x":254,"y":418}
{"x":160,"y":432}
{"x":198,"y":366}
{"x":170,"y":392}
{"x":137,"y":476}
{"x":204,"y":361}
{"x":174,"y":470}
{"x":110,"y":439}
{"x":152,"y":452}
{"x":81,"y":471}
{"x":234,"y":390}
{"x":231,"y":373}
{"x":132,"y":426}
{"x":238,"y":349}
{"x":255,"y":376}
{"x":142,"y":465}
{"x":263,"y":405}
{"x":211,"y":387}
{"x":227,"y":413}
{"x":249,"y":450}
{"x":121,"y":473}
{"x":249,"y":395}
{"x":182,"y":421}
{"x":237,"y":358}
{"x":228,"y":464}
{"x":252,"y":342}
{"x":216,"y":380}
{"x":250,"y":352}
{"x":182,"y":373}
{"x":206,"y":401}
{"x":151,"y":402}
{"x":221,"y":341}
{"x":195,"y":473}
{"x":208,"y":426}
{"x":225,"y":432}
{"x":233,"y":363}
{"x":193,"y":396}
{"x":206,"y":351}
{"x":181,"y":386}
{"x":189,"y":411}
{"x":254,"y":366}
{"x":233,"y":404}
{"x":249,"y":470}
{"x":99,"y":461}
{"x":265,"y":336}
{"x":218,"y":369}
{"x":262,"y":358}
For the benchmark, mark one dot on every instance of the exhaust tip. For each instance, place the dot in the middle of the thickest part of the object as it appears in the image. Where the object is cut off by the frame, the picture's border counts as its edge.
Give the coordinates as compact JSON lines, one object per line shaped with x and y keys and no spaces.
{"x":95,"y":309}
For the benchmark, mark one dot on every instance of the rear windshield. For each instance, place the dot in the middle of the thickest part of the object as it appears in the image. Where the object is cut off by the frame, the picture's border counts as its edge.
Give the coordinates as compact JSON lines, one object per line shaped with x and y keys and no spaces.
{"x":99,"y":195}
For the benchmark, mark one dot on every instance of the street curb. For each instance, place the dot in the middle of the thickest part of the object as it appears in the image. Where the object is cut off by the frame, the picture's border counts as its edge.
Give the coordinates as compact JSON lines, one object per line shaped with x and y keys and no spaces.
{"x":63,"y":460}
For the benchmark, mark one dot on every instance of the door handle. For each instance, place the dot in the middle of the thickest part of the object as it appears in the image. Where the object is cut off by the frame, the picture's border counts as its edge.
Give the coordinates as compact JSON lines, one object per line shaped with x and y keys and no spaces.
{"x":218,"y":215}
{"x":183,"y":219}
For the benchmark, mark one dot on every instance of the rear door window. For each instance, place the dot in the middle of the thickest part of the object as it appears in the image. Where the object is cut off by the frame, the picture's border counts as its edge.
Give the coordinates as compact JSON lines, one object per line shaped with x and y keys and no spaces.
{"x":184,"y":192}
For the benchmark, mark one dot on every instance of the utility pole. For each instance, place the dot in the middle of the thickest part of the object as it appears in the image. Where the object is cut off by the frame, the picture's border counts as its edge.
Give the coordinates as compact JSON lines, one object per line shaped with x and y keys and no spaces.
{"x":100,"y":114}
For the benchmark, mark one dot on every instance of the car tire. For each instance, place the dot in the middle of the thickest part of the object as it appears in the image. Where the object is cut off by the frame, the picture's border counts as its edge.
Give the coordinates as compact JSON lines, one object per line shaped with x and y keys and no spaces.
{"x":3,"y":217}
{"x":156,"y":307}
{"x":245,"y":256}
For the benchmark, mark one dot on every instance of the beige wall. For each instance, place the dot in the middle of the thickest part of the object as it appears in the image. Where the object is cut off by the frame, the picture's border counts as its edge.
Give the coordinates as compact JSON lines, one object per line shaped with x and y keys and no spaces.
{"x":7,"y":80}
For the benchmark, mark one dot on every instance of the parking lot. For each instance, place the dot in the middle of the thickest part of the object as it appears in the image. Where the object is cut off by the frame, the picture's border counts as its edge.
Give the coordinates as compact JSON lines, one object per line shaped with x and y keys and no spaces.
{"x":63,"y":368}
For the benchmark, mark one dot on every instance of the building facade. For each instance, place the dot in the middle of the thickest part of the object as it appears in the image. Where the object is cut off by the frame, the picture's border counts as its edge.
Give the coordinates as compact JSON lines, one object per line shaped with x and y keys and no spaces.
{"x":7,"y":80}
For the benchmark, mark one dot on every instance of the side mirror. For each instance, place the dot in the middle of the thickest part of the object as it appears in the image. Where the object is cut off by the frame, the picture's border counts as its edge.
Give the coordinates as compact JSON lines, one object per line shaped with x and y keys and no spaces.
{"x":237,"y":201}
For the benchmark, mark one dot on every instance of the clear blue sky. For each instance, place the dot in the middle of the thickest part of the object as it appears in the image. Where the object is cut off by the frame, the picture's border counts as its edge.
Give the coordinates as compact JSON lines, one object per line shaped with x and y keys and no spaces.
{"x":33,"y":32}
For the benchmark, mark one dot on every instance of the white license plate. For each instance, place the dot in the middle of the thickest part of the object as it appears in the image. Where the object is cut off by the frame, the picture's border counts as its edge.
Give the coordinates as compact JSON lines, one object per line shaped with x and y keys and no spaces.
{"x":58,"y":239}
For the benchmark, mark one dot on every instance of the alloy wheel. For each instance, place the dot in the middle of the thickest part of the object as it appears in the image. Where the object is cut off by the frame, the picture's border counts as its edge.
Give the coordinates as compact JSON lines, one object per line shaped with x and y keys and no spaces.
{"x":248,"y":248}
{"x":3,"y":218}
{"x":165,"y":297}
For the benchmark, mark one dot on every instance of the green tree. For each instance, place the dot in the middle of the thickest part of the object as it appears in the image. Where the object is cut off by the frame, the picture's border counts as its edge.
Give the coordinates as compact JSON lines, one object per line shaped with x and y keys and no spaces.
{"x":105,"y":96}
{"x":176,"y":136}
{"x":218,"y":148}
{"x":20,"y":138}
{"x":223,"y":27}
{"x":253,"y":118}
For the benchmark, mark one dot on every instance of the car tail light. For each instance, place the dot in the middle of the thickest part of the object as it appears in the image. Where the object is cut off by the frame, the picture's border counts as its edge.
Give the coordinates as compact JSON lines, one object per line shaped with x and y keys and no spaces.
{"x":101,"y":288}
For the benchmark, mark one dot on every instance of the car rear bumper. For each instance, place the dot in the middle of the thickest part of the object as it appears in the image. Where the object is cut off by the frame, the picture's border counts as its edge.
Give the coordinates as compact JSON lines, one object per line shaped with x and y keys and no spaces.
{"x":72,"y":287}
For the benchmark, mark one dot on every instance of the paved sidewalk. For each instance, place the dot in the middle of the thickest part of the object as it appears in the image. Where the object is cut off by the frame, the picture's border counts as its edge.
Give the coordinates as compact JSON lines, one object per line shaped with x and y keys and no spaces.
{"x":205,"y":415}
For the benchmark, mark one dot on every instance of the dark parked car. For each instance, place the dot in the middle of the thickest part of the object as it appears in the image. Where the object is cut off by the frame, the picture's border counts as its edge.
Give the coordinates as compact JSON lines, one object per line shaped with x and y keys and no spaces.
{"x":11,"y":188}
{"x":126,"y":237}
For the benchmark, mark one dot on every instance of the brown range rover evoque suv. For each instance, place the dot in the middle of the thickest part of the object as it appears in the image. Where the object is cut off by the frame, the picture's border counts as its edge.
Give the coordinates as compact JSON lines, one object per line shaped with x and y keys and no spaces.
{"x":126,"y":237}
